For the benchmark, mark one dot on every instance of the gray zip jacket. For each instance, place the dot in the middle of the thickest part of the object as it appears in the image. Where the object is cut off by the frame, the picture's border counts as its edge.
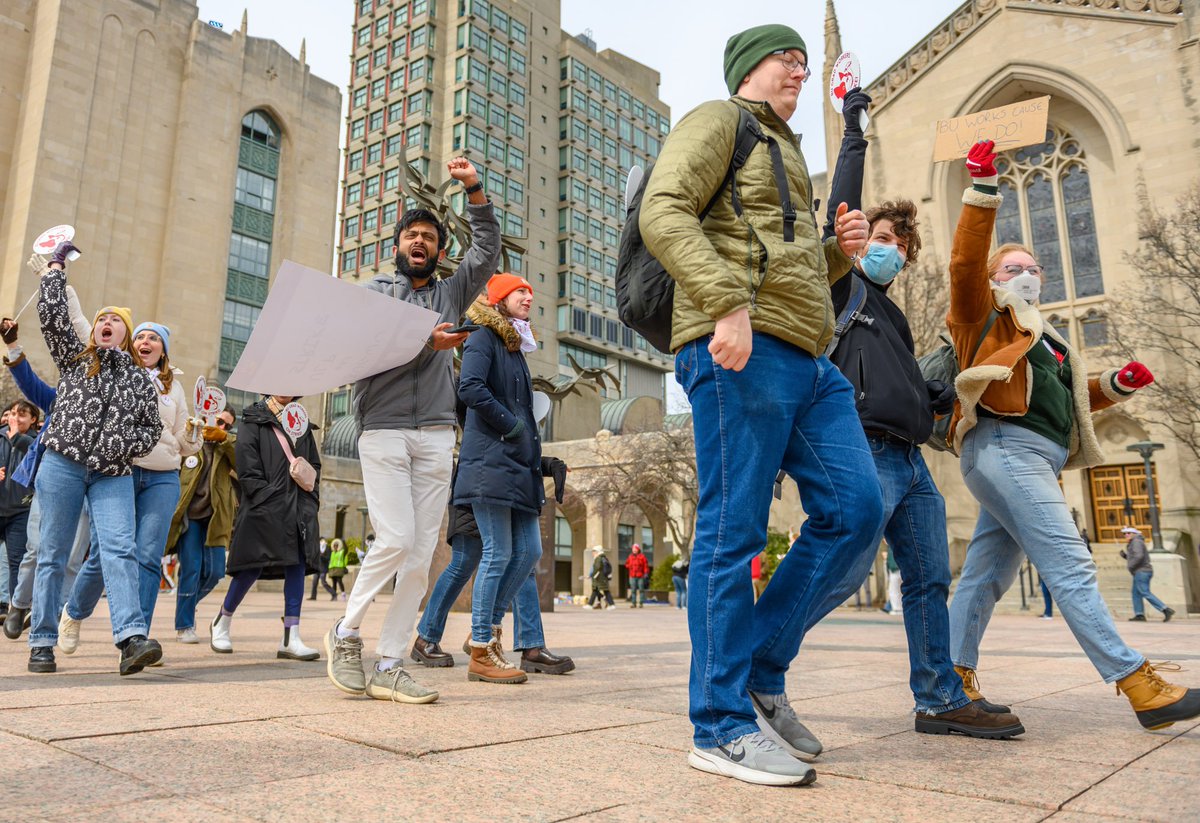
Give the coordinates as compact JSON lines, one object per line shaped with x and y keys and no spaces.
{"x":1137,"y":559}
{"x":421,"y":392}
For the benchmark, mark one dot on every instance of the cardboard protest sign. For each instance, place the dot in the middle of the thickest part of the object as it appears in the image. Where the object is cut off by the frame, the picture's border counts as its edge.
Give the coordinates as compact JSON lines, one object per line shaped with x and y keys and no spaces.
{"x":1011,"y":126}
{"x":317,"y":332}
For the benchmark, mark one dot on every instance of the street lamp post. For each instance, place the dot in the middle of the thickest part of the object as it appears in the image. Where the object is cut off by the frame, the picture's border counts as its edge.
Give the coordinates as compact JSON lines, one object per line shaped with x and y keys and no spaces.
{"x":1147,"y":449}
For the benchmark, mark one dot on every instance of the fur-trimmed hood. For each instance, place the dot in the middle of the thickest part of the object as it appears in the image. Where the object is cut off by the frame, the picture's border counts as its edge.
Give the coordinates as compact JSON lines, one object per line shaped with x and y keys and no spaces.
{"x":489,"y":318}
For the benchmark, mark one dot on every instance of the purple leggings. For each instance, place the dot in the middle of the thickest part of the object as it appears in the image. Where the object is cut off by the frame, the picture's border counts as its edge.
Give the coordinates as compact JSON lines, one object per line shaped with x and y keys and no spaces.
{"x":293,"y":589}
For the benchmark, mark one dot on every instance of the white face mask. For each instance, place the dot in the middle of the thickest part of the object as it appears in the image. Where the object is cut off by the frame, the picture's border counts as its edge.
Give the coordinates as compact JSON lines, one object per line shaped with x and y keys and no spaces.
{"x":1026,"y":286}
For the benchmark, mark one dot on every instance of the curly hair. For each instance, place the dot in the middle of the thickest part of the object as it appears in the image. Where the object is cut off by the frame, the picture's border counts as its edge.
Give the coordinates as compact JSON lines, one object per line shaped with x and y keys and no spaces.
{"x":903,"y":214}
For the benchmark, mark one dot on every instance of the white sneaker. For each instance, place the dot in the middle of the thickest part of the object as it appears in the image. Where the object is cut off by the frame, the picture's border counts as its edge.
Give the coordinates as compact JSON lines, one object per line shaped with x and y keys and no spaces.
{"x":68,"y":632}
{"x":187,"y":636}
{"x":293,"y":648}
{"x":588,"y":606}
{"x":219,"y":640}
{"x":753,"y":758}
{"x":610,"y":608}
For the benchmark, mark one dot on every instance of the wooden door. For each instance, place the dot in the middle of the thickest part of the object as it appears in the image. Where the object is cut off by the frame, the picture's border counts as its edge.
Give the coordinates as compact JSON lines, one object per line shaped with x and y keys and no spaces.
{"x":1112,"y":486}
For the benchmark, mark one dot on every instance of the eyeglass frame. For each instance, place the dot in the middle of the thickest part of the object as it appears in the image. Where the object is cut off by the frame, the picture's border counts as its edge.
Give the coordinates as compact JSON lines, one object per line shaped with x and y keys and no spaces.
{"x":788,"y":59}
{"x":1036,"y":270}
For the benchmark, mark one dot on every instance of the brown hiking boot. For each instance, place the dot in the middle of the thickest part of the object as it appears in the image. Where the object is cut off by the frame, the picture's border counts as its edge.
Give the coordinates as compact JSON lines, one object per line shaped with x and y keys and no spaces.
{"x":1158,"y":703}
{"x":973,"y":721}
{"x":485,"y":666}
{"x":971,"y":686}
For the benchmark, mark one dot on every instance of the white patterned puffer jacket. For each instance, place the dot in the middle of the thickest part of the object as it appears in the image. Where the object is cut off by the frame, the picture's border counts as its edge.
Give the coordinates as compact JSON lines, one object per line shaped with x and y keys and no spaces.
{"x":102,"y":422}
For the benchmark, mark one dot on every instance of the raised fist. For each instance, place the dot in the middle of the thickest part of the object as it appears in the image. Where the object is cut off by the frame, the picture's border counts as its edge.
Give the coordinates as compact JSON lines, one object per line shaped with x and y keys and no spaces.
{"x":981,"y":159}
{"x":463,"y":171}
{"x":8,"y":330}
{"x":63,"y":252}
{"x":855,"y":101}
{"x":1134,"y":375}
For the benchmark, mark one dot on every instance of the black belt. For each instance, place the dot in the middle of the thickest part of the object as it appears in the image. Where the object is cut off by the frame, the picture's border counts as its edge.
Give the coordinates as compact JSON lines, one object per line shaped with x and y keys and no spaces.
{"x":889,"y":437}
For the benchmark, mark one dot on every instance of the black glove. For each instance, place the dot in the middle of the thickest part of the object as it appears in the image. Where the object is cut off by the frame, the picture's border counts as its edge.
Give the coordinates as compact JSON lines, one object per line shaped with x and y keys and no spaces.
{"x":8,"y":331}
{"x":856,"y":100}
{"x":941,"y":396}
{"x":63,"y":252}
{"x":553,"y":467}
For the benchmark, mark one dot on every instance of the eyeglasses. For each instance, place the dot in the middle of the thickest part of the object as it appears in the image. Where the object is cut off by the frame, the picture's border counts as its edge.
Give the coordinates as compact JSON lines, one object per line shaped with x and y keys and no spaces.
{"x":223,"y":424}
{"x":1015,"y":268}
{"x":792,"y":65}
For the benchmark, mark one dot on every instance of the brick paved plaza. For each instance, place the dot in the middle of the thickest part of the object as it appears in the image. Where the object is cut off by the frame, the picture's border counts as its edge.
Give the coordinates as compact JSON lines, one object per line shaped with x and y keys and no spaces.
{"x":248,"y":737}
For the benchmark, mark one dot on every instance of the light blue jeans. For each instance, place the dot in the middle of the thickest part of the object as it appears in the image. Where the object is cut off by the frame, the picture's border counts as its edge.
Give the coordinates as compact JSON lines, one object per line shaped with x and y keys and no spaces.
{"x":512,"y":545}
{"x":1141,"y":589}
{"x":110,"y":502}
{"x":680,"y":591}
{"x":1013,"y":473}
{"x":464,"y":560}
{"x":156,"y":493}
{"x":23,"y":595}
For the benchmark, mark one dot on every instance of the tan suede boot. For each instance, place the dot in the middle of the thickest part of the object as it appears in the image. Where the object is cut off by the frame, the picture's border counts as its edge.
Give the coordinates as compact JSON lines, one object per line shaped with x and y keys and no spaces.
{"x":970,"y":682}
{"x":498,"y":647}
{"x":1156,"y":702}
{"x":485,"y":667}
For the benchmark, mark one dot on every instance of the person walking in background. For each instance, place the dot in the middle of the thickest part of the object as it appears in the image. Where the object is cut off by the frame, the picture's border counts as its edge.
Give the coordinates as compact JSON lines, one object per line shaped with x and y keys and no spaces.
{"x":1137,"y":560}
{"x":601,"y":574}
{"x":338,"y":568}
{"x":756,"y":575}
{"x":322,"y":574}
{"x":275,"y":529}
{"x":639,"y":572}
{"x":1048,"y":612}
{"x":679,"y":573}
{"x":894,"y":585}
{"x":15,"y":499}
{"x":203,"y":521}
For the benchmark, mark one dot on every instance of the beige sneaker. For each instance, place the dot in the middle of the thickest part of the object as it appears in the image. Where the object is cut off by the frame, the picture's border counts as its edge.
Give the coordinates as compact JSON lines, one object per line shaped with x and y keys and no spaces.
{"x":397,"y":685}
{"x":68,"y":632}
{"x":344,"y":661}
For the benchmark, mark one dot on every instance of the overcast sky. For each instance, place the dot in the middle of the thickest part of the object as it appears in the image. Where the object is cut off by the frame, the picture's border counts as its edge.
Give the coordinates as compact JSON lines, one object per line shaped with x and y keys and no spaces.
{"x":683,"y":39}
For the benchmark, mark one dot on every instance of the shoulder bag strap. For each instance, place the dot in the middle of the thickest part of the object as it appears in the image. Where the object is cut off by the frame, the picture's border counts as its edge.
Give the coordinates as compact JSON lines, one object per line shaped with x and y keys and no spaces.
{"x":287,"y":449}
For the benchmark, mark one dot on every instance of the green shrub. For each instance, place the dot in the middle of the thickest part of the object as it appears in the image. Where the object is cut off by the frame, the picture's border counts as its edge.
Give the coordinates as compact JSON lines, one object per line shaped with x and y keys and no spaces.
{"x":660,"y":578}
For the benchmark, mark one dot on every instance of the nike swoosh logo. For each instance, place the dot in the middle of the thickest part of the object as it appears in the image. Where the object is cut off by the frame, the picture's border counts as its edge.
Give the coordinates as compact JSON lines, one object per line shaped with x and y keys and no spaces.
{"x":767,"y":713}
{"x":736,"y":756}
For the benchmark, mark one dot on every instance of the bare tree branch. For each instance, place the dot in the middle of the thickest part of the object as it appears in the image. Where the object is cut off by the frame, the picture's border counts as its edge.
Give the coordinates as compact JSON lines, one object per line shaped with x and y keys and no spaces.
{"x":923,"y":294}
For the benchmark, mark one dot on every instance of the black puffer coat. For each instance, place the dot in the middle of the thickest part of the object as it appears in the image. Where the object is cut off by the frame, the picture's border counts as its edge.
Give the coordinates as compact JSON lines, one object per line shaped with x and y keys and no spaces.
{"x":276,"y":522}
{"x":500,"y":461}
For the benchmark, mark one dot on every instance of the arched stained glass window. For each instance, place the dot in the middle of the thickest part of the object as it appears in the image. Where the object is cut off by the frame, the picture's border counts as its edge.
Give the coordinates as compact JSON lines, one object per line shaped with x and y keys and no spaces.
{"x":1048,"y":207}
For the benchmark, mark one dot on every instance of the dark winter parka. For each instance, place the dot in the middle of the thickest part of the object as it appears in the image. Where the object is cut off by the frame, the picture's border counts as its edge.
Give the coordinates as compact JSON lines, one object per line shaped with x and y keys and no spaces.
{"x":500,"y":461}
{"x":276,"y":521}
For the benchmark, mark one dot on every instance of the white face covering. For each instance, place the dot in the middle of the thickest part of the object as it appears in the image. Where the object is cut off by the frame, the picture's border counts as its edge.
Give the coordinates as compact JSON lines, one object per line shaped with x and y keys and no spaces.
{"x":1026,"y":286}
{"x":528,"y":344}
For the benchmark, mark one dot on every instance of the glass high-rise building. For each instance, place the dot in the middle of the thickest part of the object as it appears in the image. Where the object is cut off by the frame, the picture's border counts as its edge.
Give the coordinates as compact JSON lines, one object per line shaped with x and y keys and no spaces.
{"x":554,"y":127}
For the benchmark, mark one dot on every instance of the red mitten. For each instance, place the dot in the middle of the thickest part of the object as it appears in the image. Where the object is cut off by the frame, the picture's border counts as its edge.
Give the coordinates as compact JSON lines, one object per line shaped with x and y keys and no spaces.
{"x":1134,"y":376}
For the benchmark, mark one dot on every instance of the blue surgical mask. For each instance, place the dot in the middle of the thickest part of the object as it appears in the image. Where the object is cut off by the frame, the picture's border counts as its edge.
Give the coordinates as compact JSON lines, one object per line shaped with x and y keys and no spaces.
{"x":882,"y":263}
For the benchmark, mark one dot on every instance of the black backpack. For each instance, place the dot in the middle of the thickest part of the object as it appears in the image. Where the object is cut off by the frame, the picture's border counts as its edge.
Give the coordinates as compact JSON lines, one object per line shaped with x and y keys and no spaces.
{"x":942,"y":364}
{"x":645,"y":291}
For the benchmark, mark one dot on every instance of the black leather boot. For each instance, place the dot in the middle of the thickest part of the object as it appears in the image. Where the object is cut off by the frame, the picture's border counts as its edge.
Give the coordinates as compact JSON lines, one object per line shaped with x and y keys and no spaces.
{"x":544,"y":661}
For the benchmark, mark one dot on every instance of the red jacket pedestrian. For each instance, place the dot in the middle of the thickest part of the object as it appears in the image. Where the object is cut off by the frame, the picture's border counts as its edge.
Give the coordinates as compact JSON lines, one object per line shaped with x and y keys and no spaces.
{"x":636,"y":562}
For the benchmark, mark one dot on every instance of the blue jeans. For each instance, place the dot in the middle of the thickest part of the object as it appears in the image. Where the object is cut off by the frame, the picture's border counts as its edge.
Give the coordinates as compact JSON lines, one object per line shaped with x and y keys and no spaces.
{"x":1013,"y":473}
{"x":512,"y":546}
{"x":1049,"y":612}
{"x":464,"y":559}
{"x":915,"y":528}
{"x":23,"y":594}
{"x":637,"y":590}
{"x":155,"y":497}
{"x":680,"y":591}
{"x":789,"y":410}
{"x":201,"y":568}
{"x":110,"y":504}
{"x":1141,"y":589}
{"x":14,"y":531}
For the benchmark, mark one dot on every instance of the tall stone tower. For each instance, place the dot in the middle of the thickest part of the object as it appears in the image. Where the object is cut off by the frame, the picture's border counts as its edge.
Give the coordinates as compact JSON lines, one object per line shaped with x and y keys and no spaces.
{"x":833,"y":120}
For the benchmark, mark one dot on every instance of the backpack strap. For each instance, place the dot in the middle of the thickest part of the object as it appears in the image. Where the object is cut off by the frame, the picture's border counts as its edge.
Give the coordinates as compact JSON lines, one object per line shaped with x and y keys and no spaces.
{"x":749,"y":134}
{"x":849,"y":313}
{"x":987,"y":327}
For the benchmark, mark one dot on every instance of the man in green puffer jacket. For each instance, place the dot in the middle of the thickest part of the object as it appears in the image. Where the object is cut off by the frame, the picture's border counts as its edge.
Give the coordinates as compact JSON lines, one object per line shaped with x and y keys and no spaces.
{"x":752,"y":317}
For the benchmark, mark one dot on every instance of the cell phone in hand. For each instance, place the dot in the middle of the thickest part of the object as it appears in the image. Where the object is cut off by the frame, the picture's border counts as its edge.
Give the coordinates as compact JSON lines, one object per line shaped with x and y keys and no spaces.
{"x":464,"y":328}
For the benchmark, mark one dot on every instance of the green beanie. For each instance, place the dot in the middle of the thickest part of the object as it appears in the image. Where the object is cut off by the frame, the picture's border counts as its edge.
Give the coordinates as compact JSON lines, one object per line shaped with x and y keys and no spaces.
{"x":746,"y":50}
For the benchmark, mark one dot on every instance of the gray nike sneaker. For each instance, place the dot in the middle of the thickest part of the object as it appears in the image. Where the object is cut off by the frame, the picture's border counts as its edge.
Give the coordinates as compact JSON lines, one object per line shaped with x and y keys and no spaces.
{"x":344,"y":661}
{"x":753,"y":758}
{"x":397,"y":685}
{"x":777,"y":720}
